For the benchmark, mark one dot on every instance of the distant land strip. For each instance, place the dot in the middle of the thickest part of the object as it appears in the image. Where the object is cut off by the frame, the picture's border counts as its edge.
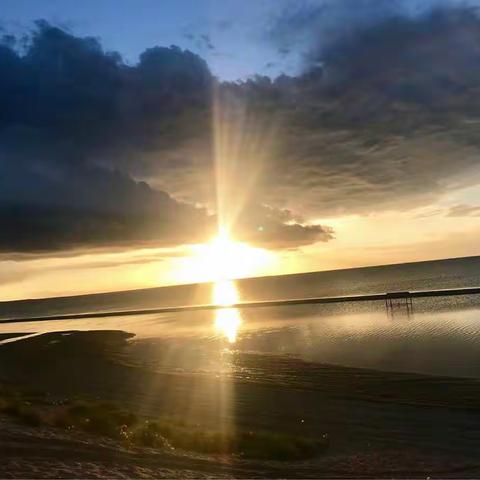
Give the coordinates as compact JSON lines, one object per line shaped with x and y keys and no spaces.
{"x":256,"y":304}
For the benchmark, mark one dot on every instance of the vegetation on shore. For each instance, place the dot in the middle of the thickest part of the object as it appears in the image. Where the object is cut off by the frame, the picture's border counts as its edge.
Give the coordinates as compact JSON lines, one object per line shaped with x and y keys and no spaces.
{"x":109,"y":420}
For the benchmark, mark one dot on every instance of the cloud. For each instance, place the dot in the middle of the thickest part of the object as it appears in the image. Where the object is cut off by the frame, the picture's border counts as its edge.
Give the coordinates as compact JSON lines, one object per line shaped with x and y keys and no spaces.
{"x":91,"y":207}
{"x":202,"y":41}
{"x":463,"y":210}
{"x":271,"y":227}
{"x":207,"y":41}
{"x":386,"y":112}
{"x":301,"y":24}
{"x":384,"y":116}
{"x":68,"y":106}
{"x":75,"y":126}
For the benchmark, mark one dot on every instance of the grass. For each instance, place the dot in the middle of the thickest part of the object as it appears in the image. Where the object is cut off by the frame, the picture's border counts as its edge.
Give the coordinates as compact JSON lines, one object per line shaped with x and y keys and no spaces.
{"x":97,"y":418}
{"x":248,"y":444}
{"x":109,"y":420}
{"x":24,"y":412}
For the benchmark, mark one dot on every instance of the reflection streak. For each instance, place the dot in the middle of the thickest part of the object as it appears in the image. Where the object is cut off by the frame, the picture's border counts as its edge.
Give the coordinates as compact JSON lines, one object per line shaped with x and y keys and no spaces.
{"x":227,"y":320}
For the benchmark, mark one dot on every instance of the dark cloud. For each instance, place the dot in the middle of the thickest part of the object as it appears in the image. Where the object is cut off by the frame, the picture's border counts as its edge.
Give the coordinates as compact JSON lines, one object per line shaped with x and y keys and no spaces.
{"x":304,"y":23}
{"x":201,"y":41}
{"x":74,"y":99}
{"x":207,"y":42}
{"x":69,"y":111}
{"x":385,"y":115}
{"x":92,"y":207}
{"x":272,"y":227}
{"x":75,"y":124}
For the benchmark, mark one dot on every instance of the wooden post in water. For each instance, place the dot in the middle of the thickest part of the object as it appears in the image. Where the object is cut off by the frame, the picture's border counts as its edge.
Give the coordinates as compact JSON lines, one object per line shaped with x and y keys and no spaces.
{"x":391,"y":296}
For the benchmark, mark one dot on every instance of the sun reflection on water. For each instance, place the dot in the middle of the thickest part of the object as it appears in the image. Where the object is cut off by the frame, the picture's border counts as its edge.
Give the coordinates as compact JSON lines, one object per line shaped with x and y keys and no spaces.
{"x":227,"y":320}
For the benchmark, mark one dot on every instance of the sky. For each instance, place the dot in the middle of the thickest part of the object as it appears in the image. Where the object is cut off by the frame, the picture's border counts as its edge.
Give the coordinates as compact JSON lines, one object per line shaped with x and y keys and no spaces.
{"x":229,"y":34}
{"x":319,"y":134}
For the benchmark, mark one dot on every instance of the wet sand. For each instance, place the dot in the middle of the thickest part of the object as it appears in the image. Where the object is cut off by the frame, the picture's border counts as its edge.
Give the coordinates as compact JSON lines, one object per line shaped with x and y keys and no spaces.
{"x":379,"y":424}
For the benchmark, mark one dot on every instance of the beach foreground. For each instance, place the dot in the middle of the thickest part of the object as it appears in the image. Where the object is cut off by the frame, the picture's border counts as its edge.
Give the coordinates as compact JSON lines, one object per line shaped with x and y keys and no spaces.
{"x":368,"y":423}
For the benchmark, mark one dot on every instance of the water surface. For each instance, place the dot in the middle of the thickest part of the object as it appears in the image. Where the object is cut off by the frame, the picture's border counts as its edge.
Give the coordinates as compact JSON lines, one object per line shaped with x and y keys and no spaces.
{"x":440,"y":336}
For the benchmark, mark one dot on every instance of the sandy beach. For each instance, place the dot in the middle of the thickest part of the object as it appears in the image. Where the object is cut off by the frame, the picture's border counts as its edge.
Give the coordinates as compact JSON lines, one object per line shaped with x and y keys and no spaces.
{"x":378,"y":424}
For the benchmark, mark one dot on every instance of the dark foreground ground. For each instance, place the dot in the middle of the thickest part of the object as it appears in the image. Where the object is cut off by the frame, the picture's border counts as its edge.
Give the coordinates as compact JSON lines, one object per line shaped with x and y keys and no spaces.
{"x":377,"y":424}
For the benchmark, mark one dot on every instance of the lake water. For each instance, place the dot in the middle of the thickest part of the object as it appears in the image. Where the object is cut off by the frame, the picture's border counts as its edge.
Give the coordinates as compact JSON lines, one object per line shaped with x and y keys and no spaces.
{"x":439,"y":336}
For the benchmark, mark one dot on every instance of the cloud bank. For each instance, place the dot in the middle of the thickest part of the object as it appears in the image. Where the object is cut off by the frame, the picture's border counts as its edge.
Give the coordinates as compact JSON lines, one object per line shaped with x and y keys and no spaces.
{"x":76,"y":126}
{"x":386,"y":112}
{"x":94,"y":151}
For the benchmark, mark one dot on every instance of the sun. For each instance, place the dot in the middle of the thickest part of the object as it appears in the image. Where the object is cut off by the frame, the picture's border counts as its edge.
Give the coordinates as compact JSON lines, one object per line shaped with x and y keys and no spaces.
{"x":224,"y":259}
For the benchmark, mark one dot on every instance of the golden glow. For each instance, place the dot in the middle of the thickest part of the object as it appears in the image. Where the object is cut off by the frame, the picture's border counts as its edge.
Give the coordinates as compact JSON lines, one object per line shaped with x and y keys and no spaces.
{"x":227,"y":320}
{"x":223,"y":258}
{"x":223,"y":255}
{"x":225,"y":293}
{"x":220,"y":261}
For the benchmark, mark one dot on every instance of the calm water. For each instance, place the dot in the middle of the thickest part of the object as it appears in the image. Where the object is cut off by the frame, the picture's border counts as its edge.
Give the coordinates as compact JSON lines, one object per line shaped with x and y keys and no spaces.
{"x":441,"y":335}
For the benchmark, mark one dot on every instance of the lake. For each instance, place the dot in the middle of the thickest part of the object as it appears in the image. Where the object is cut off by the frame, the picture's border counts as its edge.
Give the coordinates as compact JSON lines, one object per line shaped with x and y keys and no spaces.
{"x":438,"y":336}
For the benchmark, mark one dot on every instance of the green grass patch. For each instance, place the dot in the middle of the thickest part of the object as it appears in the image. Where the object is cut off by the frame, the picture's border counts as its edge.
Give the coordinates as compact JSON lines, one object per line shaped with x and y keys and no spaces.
{"x":251,"y":444}
{"x":109,"y":420}
{"x":98,"y":418}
